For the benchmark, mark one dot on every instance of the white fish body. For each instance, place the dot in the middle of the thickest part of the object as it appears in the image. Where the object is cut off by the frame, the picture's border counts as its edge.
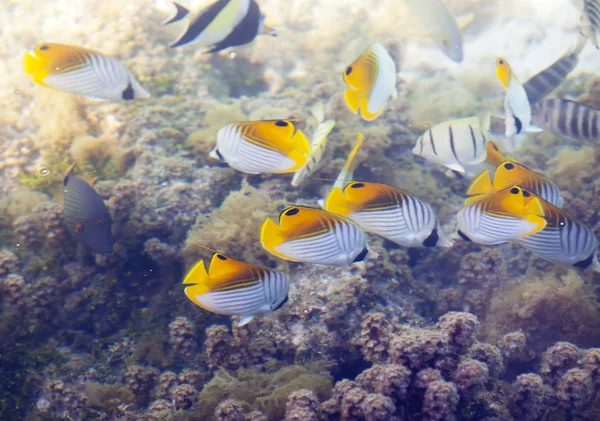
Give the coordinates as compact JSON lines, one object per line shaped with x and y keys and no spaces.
{"x":436,"y":19}
{"x":517,"y":110}
{"x":589,"y":24}
{"x":454,"y":144}
{"x":384,"y":87}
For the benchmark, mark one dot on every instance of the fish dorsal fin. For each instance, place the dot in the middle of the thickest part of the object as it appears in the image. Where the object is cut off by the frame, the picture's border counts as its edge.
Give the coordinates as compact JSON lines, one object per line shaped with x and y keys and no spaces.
{"x":347,"y":172}
{"x":179,"y":13}
{"x":482,"y":184}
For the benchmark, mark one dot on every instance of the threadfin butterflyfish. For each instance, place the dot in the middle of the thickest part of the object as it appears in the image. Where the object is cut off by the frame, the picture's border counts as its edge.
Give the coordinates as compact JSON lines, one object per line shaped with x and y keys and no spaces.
{"x":389,"y":212}
{"x":455,"y":144}
{"x":501,"y":216}
{"x":311,"y":235}
{"x":262,"y":147}
{"x":436,"y":19}
{"x":371,"y":81}
{"x":222,"y":24}
{"x":234,"y":288}
{"x":564,"y":240}
{"x":509,"y":173}
{"x":80,"y":71}
{"x":85,"y":214}
{"x":517,"y":110}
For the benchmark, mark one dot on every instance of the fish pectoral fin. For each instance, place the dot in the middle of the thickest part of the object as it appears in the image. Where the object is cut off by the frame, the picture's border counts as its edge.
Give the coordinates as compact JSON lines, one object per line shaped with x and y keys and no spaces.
{"x":245,"y":320}
{"x":179,"y":13}
{"x":481,"y":184}
{"x":465,"y":20}
{"x":352,"y":101}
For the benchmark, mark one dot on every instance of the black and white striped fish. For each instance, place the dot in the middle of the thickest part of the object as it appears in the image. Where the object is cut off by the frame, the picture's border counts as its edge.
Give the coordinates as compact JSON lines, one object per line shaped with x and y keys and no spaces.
{"x":589,"y":24}
{"x":315,"y":236}
{"x":81,"y":71}
{"x":501,"y":216}
{"x":546,"y":81}
{"x":235,"y":288}
{"x":564,"y":240}
{"x":455,"y":144}
{"x":222,"y":24}
{"x":568,"y":119}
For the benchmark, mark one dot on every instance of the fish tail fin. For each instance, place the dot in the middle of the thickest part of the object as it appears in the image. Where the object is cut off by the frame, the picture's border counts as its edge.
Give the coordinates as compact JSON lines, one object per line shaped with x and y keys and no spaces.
{"x":197,"y":274}
{"x":350,"y":165}
{"x":179,"y":13}
{"x":352,"y":101}
{"x":318,"y":111}
{"x":482,"y":184}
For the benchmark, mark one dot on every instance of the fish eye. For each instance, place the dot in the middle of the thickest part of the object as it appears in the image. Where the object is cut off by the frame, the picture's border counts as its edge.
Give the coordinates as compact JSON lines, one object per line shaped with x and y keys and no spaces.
{"x":509,"y":166}
{"x":446,"y":41}
{"x":281,"y":123}
{"x":292,"y":212}
{"x":221,"y":257}
{"x":526,"y":193}
{"x":44,"y":47}
{"x":514,"y":190}
{"x":348,"y":70}
{"x":500,"y":61}
{"x":357,"y":185}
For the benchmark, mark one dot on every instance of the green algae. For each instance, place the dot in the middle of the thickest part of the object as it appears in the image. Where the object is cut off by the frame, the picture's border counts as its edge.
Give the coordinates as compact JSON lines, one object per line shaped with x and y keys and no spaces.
{"x":265,"y":388}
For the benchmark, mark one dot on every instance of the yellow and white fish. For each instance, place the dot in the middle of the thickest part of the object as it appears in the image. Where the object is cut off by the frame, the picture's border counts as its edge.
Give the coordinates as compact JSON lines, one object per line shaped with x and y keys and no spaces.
{"x":235,"y":288}
{"x":371,"y":81}
{"x":318,"y":144}
{"x":262,"y":147}
{"x":310,"y":235}
{"x":437,"y":20}
{"x":517,"y":110}
{"x":455,"y":144}
{"x":78,"y":70}
{"x":509,"y":173}
{"x":499,"y":217}
{"x":589,"y":24}
{"x":389,"y":212}
{"x":564,"y":240}
{"x":222,"y":24}
{"x":384,"y":210}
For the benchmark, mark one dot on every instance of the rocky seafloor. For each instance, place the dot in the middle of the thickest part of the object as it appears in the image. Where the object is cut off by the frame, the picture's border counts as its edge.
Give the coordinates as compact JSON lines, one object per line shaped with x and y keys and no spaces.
{"x":467,"y":333}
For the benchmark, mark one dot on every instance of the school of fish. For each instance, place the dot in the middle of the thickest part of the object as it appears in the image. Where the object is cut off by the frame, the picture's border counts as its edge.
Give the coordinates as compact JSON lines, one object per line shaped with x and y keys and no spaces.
{"x":506,"y":201}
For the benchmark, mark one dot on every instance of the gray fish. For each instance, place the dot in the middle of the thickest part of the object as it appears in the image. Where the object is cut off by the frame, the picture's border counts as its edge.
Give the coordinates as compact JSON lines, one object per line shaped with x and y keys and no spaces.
{"x":85,"y":215}
{"x":564,"y":240}
{"x":543,"y":83}
{"x":568,"y":119}
{"x":223,"y":24}
{"x":589,"y":24}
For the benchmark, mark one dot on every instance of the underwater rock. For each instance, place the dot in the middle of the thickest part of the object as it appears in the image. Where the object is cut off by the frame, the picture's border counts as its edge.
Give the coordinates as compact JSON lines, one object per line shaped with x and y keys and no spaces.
{"x":302,"y":405}
{"x":526,"y":400}
{"x":557,"y":360}
{"x":374,"y":337}
{"x":440,"y":401}
{"x":181,"y":337}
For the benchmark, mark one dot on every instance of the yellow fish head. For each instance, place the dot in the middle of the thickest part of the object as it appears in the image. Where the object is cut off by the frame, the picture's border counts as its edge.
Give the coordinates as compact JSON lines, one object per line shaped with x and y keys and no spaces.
{"x":503,"y":71}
